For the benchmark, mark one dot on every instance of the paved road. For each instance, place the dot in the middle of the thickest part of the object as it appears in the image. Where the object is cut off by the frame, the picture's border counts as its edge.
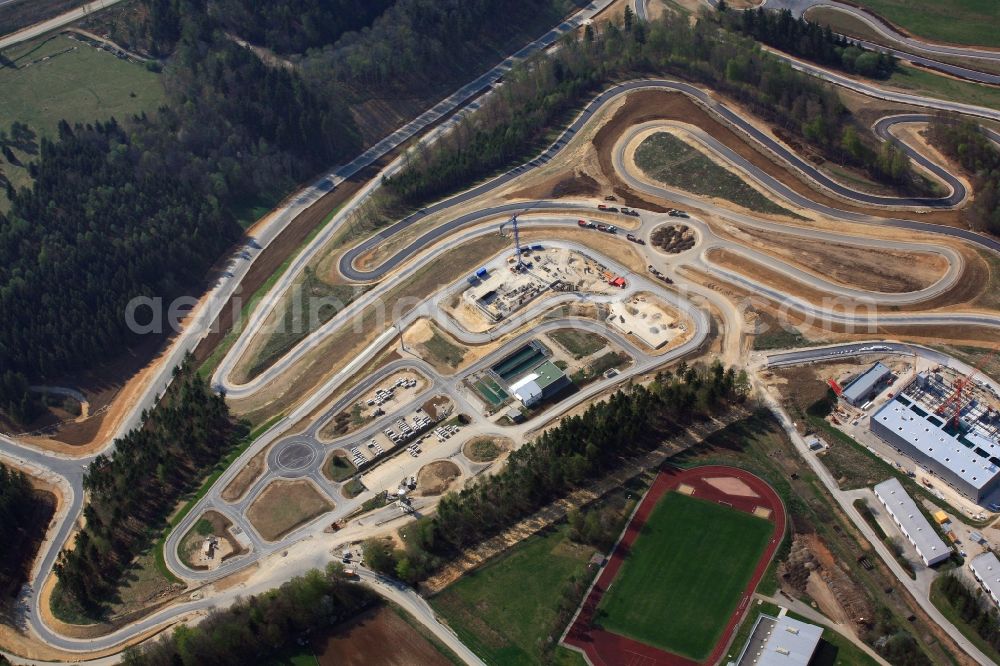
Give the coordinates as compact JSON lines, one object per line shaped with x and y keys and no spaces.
{"x":845,"y":500}
{"x":798,"y":7}
{"x":54,"y":23}
{"x":270,"y":230}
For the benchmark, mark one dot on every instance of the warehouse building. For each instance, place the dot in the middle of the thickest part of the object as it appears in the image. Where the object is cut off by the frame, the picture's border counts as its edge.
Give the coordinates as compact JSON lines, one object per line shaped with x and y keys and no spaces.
{"x":911,"y":522}
{"x":544,"y":381}
{"x":867,"y":385}
{"x":780,"y":641}
{"x":986,"y":569}
{"x":964,"y":459}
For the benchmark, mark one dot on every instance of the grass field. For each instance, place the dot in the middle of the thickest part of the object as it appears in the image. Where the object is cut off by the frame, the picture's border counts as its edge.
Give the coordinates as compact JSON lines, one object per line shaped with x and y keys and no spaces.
{"x":578,"y":343}
{"x":916,"y":80}
{"x":957,"y":21}
{"x":692,"y":560}
{"x":310,"y":304}
{"x":671,"y":161}
{"x":506,"y":611}
{"x":285,"y":505}
{"x":58,"y":78}
{"x":847,"y":24}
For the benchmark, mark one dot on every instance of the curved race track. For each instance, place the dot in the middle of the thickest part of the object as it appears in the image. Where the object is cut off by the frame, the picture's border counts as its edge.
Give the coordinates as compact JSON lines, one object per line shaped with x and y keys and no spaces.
{"x":302,"y":460}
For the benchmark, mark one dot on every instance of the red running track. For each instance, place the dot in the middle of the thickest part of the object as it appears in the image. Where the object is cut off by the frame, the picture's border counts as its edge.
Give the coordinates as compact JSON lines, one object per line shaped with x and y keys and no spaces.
{"x":604,"y":648}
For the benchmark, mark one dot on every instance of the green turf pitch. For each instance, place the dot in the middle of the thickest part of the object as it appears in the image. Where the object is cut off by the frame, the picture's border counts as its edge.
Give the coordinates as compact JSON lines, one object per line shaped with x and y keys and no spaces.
{"x":684,"y":575}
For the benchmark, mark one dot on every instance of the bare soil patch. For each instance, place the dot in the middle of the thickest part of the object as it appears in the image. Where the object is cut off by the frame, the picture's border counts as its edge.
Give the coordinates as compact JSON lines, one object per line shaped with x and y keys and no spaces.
{"x":565,"y":184}
{"x":246,"y":477}
{"x":730,"y":485}
{"x":378,"y":637}
{"x":434,"y":478}
{"x":875,"y":269}
{"x":213,"y":527}
{"x":437,"y":407}
{"x":285,"y":505}
{"x":486,"y":448}
{"x":765,"y":275}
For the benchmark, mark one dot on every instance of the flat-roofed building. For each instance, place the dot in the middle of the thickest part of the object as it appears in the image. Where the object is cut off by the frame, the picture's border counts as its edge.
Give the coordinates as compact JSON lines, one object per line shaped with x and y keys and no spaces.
{"x":544,"y":381}
{"x":986,"y":569}
{"x":911,"y":522}
{"x":965,"y":460}
{"x":780,"y":641}
{"x":867,"y":385}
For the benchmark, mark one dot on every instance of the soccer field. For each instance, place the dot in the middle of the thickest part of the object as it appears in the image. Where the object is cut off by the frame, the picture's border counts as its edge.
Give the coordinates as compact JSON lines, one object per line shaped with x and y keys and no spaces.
{"x":684,"y":575}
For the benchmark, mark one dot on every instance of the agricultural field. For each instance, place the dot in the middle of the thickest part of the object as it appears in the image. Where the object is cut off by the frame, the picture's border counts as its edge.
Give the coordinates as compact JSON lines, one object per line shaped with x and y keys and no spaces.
{"x":58,"y":78}
{"x":692,"y":560}
{"x":671,"y":161}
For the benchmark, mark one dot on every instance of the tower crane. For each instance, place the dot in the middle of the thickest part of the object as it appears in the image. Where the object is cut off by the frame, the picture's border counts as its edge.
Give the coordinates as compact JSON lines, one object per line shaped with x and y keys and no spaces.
{"x":517,"y":240}
{"x":955,"y":402}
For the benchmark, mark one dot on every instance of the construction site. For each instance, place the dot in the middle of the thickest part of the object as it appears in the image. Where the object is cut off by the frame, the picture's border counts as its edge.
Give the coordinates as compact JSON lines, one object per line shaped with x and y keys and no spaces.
{"x":948,"y":423}
{"x":500,"y":289}
{"x":648,"y":319}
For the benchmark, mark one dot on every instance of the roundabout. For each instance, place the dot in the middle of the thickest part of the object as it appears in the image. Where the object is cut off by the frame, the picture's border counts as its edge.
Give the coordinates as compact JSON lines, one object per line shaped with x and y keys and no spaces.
{"x":294,"y":459}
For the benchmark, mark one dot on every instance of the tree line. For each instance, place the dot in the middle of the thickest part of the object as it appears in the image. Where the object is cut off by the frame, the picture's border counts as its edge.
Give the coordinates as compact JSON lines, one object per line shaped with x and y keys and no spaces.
{"x":545,"y":90}
{"x":973,"y":608}
{"x":580,"y":449}
{"x":24,"y":517}
{"x":262,"y":628}
{"x":977,"y":154}
{"x":133,"y":490}
{"x":811,"y":41}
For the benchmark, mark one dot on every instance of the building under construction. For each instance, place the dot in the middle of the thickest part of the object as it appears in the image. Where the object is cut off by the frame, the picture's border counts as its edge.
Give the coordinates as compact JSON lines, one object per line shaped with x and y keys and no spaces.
{"x":949,"y":425}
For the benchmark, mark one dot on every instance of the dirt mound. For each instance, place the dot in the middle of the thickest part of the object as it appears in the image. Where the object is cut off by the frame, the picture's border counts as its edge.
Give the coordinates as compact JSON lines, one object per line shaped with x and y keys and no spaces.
{"x":434,"y":478}
{"x":673,"y":238}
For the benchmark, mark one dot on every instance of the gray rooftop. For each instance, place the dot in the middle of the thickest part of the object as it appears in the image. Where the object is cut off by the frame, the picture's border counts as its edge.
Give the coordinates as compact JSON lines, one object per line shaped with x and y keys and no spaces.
{"x":924,"y":536}
{"x":781,"y":641}
{"x":987,"y":566}
{"x":931,"y":440}
{"x":866,"y":382}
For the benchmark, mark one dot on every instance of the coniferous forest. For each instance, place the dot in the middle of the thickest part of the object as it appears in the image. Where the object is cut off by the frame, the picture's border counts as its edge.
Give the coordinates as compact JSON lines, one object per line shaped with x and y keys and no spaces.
{"x":133,"y":489}
{"x":24,"y":517}
{"x":144,"y":206}
{"x":811,"y":41}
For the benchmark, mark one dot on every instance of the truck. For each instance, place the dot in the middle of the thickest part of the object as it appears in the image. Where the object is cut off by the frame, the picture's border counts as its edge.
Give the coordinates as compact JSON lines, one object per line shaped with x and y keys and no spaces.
{"x":634,"y":239}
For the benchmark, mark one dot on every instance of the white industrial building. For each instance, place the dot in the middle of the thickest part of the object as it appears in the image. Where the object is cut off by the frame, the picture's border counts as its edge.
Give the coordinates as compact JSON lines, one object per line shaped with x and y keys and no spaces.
{"x":780,"y":641}
{"x":911,"y":522}
{"x":986,"y":569}
{"x":965,"y":458}
{"x":867,"y":385}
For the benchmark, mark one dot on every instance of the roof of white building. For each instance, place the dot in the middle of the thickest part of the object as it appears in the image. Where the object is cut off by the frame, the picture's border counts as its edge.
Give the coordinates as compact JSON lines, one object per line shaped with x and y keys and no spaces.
{"x":947,"y":450}
{"x":925,"y":538}
{"x":987,"y":567}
